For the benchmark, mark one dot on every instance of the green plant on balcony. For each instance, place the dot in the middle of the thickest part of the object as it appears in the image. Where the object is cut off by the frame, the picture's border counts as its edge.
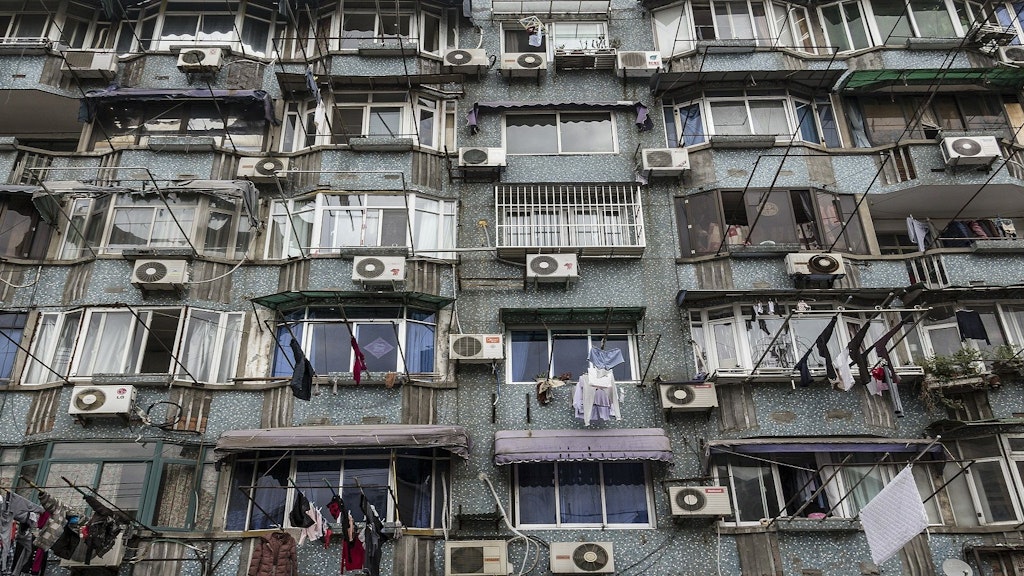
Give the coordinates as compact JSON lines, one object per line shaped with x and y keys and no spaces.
{"x":961,"y":370}
{"x":1006,"y":359}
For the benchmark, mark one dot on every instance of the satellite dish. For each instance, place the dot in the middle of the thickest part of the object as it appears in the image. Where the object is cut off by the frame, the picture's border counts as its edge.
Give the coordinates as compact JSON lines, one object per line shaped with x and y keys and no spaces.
{"x":956,"y":567}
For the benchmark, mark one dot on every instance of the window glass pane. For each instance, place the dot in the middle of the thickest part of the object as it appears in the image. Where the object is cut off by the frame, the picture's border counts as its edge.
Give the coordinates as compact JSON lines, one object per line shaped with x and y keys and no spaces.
{"x":586,"y":132}
{"x":346,"y":123}
{"x":372,"y":475}
{"x":833,"y":22}
{"x":329,"y":348}
{"x":269,"y":495}
{"x":579,"y":493}
{"x":131,"y":227}
{"x":108,"y":339}
{"x":753,"y":484}
{"x":569,"y":353}
{"x":829,"y":128}
{"x":385,"y":121}
{"x":355,"y":26}
{"x":536,"y":494}
{"x":856,"y":21}
{"x":870,"y":484}
{"x":703,"y":222}
{"x":80,"y":473}
{"x":310,"y":476}
{"x":531,"y":134}
{"x":769,"y":117}
{"x":238,"y":502}
{"x":933,"y":19}
{"x":414,"y":476}
{"x":625,"y":493}
{"x":529,"y":355}
{"x":419,"y":348}
{"x":670,"y":32}
{"x":616,"y":342}
{"x":730,"y":118}
{"x":12,"y":326}
{"x":993,"y":493}
{"x":890,"y":16}
{"x":379,"y":344}
{"x":808,"y":127}
{"x":771,"y":217}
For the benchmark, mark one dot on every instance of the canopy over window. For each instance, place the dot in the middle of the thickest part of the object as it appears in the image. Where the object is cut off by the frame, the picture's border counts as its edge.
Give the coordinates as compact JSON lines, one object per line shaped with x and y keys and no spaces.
{"x":298,"y":299}
{"x":584,"y":315}
{"x":455,"y":439}
{"x":114,"y":93}
{"x":917,"y":80}
{"x":515,"y":446}
{"x":47,"y":206}
{"x":837,"y":444}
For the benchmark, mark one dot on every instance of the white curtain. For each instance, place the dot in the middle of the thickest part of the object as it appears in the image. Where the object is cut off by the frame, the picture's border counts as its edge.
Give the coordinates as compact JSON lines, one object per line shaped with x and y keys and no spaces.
{"x":107,"y":341}
{"x":200,"y":344}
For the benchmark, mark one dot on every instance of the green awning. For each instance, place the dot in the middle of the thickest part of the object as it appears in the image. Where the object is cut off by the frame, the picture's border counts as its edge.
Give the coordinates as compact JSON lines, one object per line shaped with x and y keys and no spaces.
{"x":291,"y":300}
{"x":984,"y":78}
{"x":572,"y":315}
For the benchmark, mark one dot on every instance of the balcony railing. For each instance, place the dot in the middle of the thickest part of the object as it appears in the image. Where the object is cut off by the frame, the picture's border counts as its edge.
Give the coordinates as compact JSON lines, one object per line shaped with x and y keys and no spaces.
{"x":590,"y":219}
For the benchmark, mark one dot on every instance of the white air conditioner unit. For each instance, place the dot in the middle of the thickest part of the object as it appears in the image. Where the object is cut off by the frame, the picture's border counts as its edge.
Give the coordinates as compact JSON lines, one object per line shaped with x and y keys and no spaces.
{"x":582,"y":558}
{"x":90,"y":64}
{"x":476,"y":558}
{"x":823,"y":265}
{"x":552,"y":267}
{"x":523,"y":63}
{"x":200,"y":59}
{"x":1012,"y":54}
{"x":160,"y":274}
{"x":970,"y":150}
{"x":637,"y":63}
{"x":481,"y":157}
{"x":378,"y":269}
{"x":112,"y":559}
{"x":688,"y":396}
{"x":261,"y":169}
{"x":699,"y":501}
{"x":665,"y":161}
{"x":102,"y":400}
{"x":466,"y":60}
{"x":476,"y":347}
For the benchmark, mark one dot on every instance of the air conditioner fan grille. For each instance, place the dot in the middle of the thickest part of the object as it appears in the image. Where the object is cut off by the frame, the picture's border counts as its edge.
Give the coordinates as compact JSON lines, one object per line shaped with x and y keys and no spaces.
{"x":467,"y":346}
{"x":193,"y":57}
{"x":690,"y":499}
{"x":529,"y":60}
{"x":590,"y":557}
{"x":151,"y":271}
{"x":474,"y":156}
{"x":544,"y":265}
{"x":469,"y":560}
{"x":90,"y":399}
{"x":370,"y":267}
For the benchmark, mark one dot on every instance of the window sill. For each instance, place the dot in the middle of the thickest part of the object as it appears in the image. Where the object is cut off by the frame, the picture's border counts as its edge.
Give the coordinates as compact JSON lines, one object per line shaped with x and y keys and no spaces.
{"x":797,"y":524}
{"x":380,"y":144}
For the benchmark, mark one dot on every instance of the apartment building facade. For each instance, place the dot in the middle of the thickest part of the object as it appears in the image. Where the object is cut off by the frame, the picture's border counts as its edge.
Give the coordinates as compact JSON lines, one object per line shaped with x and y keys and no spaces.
{"x":455,"y":212}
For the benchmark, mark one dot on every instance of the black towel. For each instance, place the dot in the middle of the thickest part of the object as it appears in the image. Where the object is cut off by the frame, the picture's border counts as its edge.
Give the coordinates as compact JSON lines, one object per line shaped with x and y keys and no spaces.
{"x":970,"y":325}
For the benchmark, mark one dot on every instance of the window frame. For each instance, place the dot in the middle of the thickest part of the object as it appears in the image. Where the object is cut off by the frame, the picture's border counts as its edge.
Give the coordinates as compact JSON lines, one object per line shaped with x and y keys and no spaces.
{"x":152,"y":21}
{"x":593,"y":334}
{"x":683,"y":115}
{"x":602,"y":487}
{"x":558,"y":123}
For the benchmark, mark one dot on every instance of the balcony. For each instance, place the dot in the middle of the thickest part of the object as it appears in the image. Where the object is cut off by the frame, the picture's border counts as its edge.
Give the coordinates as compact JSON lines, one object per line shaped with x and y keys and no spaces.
{"x":589,"y":219}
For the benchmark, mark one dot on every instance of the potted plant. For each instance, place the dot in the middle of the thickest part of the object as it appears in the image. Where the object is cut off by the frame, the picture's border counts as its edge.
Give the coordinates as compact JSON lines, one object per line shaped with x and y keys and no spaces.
{"x":1006,"y":359}
{"x":962,"y":370}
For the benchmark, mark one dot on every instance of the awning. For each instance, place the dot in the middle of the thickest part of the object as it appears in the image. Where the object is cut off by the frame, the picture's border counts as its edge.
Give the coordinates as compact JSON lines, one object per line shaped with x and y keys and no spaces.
{"x":595,"y":315}
{"x":919,"y":295}
{"x":513,"y":446}
{"x":643,"y":121}
{"x":297,"y":82}
{"x":666,"y":83}
{"x":550,"y":8}
{"x":706,"y":298}
{"x":291,"y":300}
{"x":95,"y":98}
{"x":455,"y":439}
{"x":923,"y":79}
{"x":961,"y":428}
{"x":834,"y":444}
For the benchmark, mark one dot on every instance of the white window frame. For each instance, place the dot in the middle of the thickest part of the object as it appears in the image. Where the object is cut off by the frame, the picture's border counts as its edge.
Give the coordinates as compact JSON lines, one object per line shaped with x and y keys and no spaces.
{"x":599,"y":43}
{"x":1013,"y":488}
{"x":48,"y":351}
{"x":558,"y":132}
{"x":683,"y":35}
{"x":604,"y":500}
{"x":223,"y":359}
{"x":865,"y":21}
{"x":879,"y":36}
{"x":591,"y":333}
{"x":318,"y":206}
{"x":378,"y":33}
{"x":790,"y":102}
{"x":233,"y":39}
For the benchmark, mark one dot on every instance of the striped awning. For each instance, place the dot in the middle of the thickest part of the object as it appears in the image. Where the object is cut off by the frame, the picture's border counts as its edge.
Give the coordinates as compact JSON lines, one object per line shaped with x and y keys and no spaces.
{"x":455,"y":439}
{"x":515,"y":446}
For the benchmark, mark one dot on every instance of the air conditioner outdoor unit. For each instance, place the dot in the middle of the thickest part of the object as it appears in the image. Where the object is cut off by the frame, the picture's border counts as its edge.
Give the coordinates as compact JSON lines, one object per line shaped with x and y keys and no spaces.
{"x":102,"y":400}
{"x":90,"y":64}
{"x":112,"y":559}
{"x":200,"y":59}
{"x":523,"y":63}
{"x":378,"y":269}
{"x":688,"y":396}
{"x":1011,"y":54}
{"x":476,"y":558}
{"x":665,"y":161}
{"x":481,"y":157}
{"x":476,"y":347}
{"x":159,"y":274}
{"x":637,"y":63}
{"x":552,"y":267}
{"x":582,"y":558}
{"x":699,"y":501}
{"x":466,"y":60}
{"x":823,"y":265}
{"x":261,"y":169}
{"x":970,"y":150}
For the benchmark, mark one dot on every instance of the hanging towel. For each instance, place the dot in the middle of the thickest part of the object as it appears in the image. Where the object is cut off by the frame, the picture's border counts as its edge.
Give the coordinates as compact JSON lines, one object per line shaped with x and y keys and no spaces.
{"x":970,"y":325}
{"x":855,"y":354}
{"x":359,"y":364}
{"x":881,"y":348}
{"x":298,"y":516}
{"x":918,"y":232}
{"x":845,"y":375}
{"x":302,"y":375}
{"x":893,"y":517}
{"x":821,"y":345}
{"x":606,"y":359}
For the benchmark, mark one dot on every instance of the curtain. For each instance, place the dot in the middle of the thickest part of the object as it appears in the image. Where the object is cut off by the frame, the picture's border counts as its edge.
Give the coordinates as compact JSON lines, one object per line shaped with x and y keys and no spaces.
{"x":625,"y":493}
{"x":107,"y":341}
{"x":414,"y":491}
{"x":529,"y":355}
{"x":45,"y":336}
{"x":419,"y":348}
{"x":232,"y":339}
{"x":579,"y":491}
{"x":536,"y":494}
{"x":200,"y":343}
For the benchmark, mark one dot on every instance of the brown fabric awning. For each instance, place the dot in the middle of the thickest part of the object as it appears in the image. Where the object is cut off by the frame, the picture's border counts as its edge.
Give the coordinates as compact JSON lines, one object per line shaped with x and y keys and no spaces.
{"x":515,"y":446}
{"x":322,"y":438}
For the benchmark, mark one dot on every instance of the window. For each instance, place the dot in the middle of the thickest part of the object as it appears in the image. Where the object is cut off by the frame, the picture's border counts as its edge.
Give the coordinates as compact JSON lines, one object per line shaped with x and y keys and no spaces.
{"x":157,"y":483}
{"x":755,"y":113}
{"x":418,"y":478}
{"x":845,"y":25}
{"x":23,"y":233}
{"x":595,"y":218}
{"x":937,"y":334}
{"x":213,"y":225}
{"x":230,"y":125}
{"x":774,"y":485}
{"x":431,"y":121}
{"x":12,"y":325}
{"x":550,"y":352}
{"x":516,"y":39}
{"x":570,"y":36}
{"x":327,"y":223}
{"x":392,"y":338}
{"x":990,"y":479}
{"x":768,"y":24}
{"x":807,"y":219}
{"x":27,"y":19}
{"x":886,"y":120}
{"x":896,"y":21}
{"x":190,"y":343}
{"x":582,"y":495}
{"x":560,"y":133}
{"x":244,"y":26}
